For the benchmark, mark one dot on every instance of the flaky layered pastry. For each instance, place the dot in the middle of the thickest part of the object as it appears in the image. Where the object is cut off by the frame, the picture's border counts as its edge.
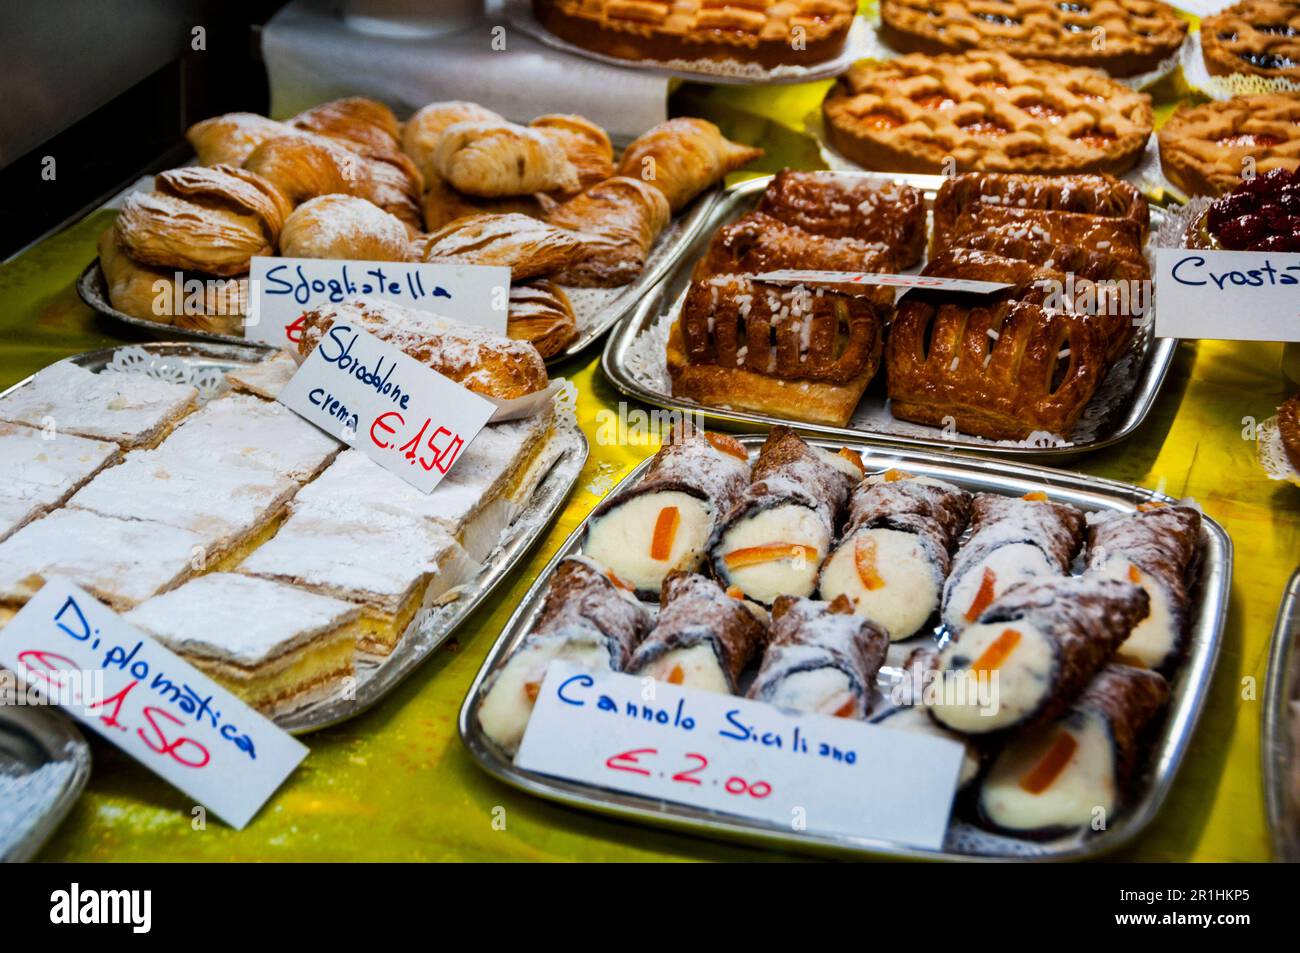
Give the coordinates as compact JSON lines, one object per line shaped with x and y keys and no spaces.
{"x":528,"y":247}
{"x":540,"y":313}
{"x":346,"y":227}
{"x":683,"y":157}
{"x":617,"y":222}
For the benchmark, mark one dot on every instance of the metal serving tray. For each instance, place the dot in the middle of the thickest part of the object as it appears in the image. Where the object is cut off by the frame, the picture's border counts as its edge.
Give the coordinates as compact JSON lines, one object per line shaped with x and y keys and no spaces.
{"x":614,"y":304}
{"x":1190,"y":686}
{"x":44,"y":766}
{"x":1277,"y":746}
{"x":206,"y":363}
{"x":1151,"y":356}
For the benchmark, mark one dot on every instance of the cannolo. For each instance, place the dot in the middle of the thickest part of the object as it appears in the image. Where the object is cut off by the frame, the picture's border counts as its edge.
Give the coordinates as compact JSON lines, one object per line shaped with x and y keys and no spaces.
{"x":774,"y":540}
{"x":663,"y":523}
{"x":703,"y":638}
{"x":821,"y":658}
{"x":1012,"y":540}
{"x":894,"y":554}
{"x":586,"y":618}
{"x":908,"y":710}
{"x":1073,"y":773}
{"x":1155,"y":547}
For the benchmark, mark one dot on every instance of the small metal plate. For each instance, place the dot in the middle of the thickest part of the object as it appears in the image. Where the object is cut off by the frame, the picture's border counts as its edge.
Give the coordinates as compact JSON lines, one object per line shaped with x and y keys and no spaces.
{"x":44,"y":766}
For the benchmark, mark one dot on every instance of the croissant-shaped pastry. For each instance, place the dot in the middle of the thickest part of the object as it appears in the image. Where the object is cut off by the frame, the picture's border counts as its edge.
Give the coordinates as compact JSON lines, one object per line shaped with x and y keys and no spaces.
{"x":529,"y":248}
{"x":441,"y":204}
{"x":683,"y":157}
{"x":584,"y":143}
{"x":208,"y":219}
{"x":367,"y":125}
{"x":494,"y":159}
{"x":343,"y":226}
{"x":394,"y":184}
{"x":422,"y":131}
{"x":540,"y":313}
{"x":619,"y":220}
{"x":303,"y":166}
{"x":231,"y":138}
{"x":135,"y":289}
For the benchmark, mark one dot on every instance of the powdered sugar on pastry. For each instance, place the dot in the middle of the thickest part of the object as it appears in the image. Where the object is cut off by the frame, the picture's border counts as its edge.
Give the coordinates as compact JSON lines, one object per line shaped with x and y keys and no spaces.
{"x":37,"y":473}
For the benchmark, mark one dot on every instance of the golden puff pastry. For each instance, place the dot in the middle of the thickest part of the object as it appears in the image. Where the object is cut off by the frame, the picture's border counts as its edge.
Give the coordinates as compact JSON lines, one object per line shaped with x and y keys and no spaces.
{"x":369,"y":126}
{"x":540,"y":313}
{"x":683,"y":157}
{"x":619,"y":220}
{"x":231,"y":138}
{"x":394,"y":184}
{"x":492,"y":159}
{"x":344,"y":226}
{"x":422,"y":131}
{"x":303,"y":166}
{"x":529,"y":248}
{"x":208,"y":219}
{"x":165,"y":296}
{"x":441,"y":204}
{"x":584,"y":143}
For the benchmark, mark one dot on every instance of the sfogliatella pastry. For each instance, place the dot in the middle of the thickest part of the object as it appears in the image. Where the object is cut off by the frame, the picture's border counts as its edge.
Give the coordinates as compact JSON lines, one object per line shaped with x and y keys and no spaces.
{"x":585,"y":619}
{"x":1075,"y":772}
{"x":1157,"y":548}
{"x":492,"y":159}
{"x":683,"y":157}
{"x":231,"y":138}
{"x":422,"y":132}
{"x":540,"y":313}
{"x":39,"y":472}
{"x":343,"y":226}
{"x":367,"y":125}
{"x":303,"y":166}
{"x":585,"y":145}
{"x":277,"y":648}
{"x":1012,"y":541}
{"x":1033,"y":651}
{"x":1256,"y":37}
{"x":893,"y":555}
{"x":663,"y":523}
{"x":618,"y":221}
{"x":774,"y":539}
{"x":529,"y":248}
{"x":442,"y":205}
{"x":820,"y":658}
{"x":214,"y":304}
{"x":702,"y":637}
{"x":1209,"y":149}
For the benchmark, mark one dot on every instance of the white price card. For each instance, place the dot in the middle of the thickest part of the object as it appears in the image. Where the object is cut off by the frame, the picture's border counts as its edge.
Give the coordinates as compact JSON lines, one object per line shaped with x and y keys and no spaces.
{"x":406,"y":417}
{"x":747,"y":758}
{"x":281,"y":289}
{"x":933,"y":282}
{"x":1228,"y":295}
{"x":153,"y":705}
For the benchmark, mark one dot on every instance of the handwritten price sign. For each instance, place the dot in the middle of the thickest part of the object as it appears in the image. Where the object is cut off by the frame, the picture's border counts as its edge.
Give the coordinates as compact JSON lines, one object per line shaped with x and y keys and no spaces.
{"x":735,"y":756}
{"x":156,"y":707}
{"x":406,"y":417}
{"x":1228,"y":295}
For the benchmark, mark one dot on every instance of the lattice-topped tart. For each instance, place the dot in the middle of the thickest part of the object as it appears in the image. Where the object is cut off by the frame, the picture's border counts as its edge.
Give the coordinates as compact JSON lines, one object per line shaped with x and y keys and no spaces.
{"x":988,"y":112}
{"x":771,"y":34}
{"x":1123,"y":37}
{"x":1205,"y":150}
{"x":1259,"y":37}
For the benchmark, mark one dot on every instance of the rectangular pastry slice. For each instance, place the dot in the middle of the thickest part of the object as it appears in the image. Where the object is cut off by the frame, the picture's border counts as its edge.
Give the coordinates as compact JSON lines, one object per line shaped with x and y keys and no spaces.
{"x":38,"y":473}
{"x":1102,"y":195}
{"x":276,"y":647}
{"x":119,"y":561}
{"x":1121,"y":237}
{"x":266,"y":378}
{"x":129,"y":409}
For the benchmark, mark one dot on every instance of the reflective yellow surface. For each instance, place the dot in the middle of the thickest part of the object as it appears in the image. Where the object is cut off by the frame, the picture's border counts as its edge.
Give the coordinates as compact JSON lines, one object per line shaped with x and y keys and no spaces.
{"x":396,"y":784}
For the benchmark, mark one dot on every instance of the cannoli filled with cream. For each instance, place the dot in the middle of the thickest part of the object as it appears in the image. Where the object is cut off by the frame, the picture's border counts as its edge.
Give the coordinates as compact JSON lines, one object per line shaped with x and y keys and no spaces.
{"x":1073,"y":772}
{"x":821,"y":658}
{"x":586,"y":619}
{"x":1013,"y":540}
{"x":773,"y":542}
{"x":1033,"y":651}
{"x":893,"y":557}
{"x":663,"y":523}
{"x":703,"y":638}
{"x":1157,"y":548}
{"x":907,"y":713}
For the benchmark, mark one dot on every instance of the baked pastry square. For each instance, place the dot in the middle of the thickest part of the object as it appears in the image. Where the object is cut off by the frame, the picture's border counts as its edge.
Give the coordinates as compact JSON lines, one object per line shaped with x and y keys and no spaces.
{"x":1085,"y":194}
{"x":1123,"y":37}
{"x":266,"y":378}
{"x":1118,"y":237}
{"x":275,"y":647}
{"x":37,"y":473}
{"x":1204,"y":149}
{"x":129,"y":409}
{"x":1257,"y":37}
{"x":985,"y":112}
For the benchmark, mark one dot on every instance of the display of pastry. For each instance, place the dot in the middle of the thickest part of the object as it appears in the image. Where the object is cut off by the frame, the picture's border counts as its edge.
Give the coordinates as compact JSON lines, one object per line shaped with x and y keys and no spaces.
{"x":684,"y":157}
{"x":985,"y":112}
{"x":585,"y":619}
{"x":1261,"y":214}
{"x":1035,"y":648}
{"x":892,"y":557}
{"x":528,"y":247}
{"x":344,"y":226}
{"x":820,"y":658}
{"x":775,"y":538}
{"x":1074,"y":773}
{"x":1123,"y":37}
{"x":663,"y":523}
{"x":40,"y":470}
{"x":1255,"y":37}
{"x":540,"y":313}
{"x":1209,"y":149}
{"x":1013,"y":541}
{"x":618,"y":220}
{"x":794,"y":33}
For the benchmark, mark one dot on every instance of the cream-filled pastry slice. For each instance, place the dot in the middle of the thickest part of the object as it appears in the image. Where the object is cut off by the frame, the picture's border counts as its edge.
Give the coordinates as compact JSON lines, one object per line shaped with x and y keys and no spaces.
{"x":889,"y":576}
{"x":40,"y":470}
{"x":266,"y":378}
{"x":968,"y":595}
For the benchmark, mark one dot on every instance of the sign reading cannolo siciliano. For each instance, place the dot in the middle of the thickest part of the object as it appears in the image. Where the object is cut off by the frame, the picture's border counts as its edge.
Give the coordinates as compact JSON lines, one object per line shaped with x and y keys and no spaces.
{"x":803,"y":772}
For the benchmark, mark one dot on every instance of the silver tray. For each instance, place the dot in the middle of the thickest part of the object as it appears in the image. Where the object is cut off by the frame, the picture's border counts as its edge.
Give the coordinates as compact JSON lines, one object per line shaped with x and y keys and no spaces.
{"x":1277,"y":747}
{"x":1149,"y":358}
{"x":1190,"y":686}
{"x":92,"y":287}
{"x":207,"y":363}
{"x":44,"y":766}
